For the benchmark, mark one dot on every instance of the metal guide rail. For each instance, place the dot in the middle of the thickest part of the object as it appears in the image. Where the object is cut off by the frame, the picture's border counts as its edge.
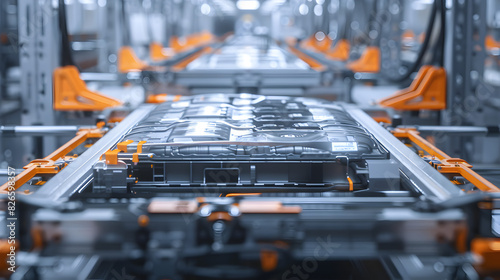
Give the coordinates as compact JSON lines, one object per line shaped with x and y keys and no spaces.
{"x":253,"y":187}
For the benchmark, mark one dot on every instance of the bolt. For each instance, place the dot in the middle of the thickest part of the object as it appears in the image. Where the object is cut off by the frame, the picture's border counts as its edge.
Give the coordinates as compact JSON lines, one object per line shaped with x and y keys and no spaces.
{"x":234,"y":211}
{"x":205,"y":211}
{"x":218,"y":226}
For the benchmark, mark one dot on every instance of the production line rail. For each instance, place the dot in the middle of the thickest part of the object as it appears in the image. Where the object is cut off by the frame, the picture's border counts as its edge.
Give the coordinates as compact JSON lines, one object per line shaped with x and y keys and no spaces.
{"x":253,"y":182}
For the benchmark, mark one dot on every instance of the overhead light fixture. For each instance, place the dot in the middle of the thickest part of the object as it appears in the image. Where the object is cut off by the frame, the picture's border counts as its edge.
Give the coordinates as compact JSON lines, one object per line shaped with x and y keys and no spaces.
{"x":205,"y":9}
{"x":248,"y":4}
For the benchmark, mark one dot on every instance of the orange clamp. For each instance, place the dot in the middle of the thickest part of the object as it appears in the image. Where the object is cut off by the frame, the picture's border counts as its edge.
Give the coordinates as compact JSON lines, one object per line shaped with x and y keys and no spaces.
{"x":490,"y":43}
{"x":71,"y":93}
{"x":112,"y":156}
{"x":408,"y":35}
{"x":268,"y":260}
{"x":323,"y":45}
{"x":488,"y":249}
{"x":128,"y":61}
{"x":369,"y":61}
{"x":308,"y":43}
{"x":314,"y":64}
{"x":340,"y":51}
{"x":123,"y":145}
{"x":158,"y":53}
{"x":184,"y":63}
{"x":162,"y":97}
{"x":427,"y":92}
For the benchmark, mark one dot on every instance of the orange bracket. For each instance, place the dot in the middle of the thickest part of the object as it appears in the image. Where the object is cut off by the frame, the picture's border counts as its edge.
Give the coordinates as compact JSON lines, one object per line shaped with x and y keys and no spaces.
{"x":323,"y":45}
{"x":47,"y":165}
{"x":490,"y":43}
{"x":71,"y":93}
{"x":206,"y":37}
{"x":427,"y":92}
{"x":447,"y":164}
{"x":314,"y":64}
{"x":4,"y":38}
{"x":184,"y":63}
{"x":268,"y":260}
{"x":292,"y":41}
{"x":308,"y":43}
{"x":128,"y":61}
{"x":489,"y":251}
{"x":111,"y":156}
{"x":312,"y":43}
{"x":340,"y":51}
{"x":408,"y":35}
{"x":369,"y":62}
{"x":177,"y":44}
{"x":158,"y":53}
{"x":162,"y":97}
{"x":190,"y":41}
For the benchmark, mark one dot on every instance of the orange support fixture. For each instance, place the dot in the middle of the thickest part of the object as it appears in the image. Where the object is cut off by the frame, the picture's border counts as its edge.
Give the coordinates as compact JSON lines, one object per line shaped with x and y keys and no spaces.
{"x":206,"y":37}
{"x":190,"y":41}
{"x":71,"y":93}
{"x":47,"y":166}
{"x":241,"y":194}
{"x":181,"y":44}
{"x":4,"y":38}
{"x":128,"y":61}
{"x":158,"y":53}
{"x":340,"y":51}
{"x":408,"y":35}
{"x":369,"y":61}
{"x":323,"y":45}
{"x":157,"y":98}
{"x":4,"y":251}
{"x":268,"y":260}
{"x":163,"y":97}
{"x":490,"y":43}
{"x":292,"y":41}
{"x":177,"y":44}
{"x":427,"y":92}
{"x":314,"y":64}
{"x":184,"y":63}
{"x":447,"y":164}
{"x":488,"y":249}
{"x":308,"y":43}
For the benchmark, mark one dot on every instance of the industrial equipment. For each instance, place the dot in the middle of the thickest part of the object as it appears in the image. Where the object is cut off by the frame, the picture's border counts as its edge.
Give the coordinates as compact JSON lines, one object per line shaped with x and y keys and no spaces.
{"x":249,"y":139}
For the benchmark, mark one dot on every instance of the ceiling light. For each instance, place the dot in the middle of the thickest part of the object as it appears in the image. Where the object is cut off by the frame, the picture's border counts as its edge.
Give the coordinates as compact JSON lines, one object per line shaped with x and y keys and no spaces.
{"x":248,"y":4}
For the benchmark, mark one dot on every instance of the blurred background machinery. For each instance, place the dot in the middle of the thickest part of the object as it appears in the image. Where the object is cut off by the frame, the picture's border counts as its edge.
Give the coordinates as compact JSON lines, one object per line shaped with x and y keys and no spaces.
{"x":249,"y":90}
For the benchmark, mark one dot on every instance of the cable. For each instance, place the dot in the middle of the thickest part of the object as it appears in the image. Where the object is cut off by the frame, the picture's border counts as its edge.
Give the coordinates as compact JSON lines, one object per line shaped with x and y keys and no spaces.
{"x":66,"y":54}
{"x":443,"y":32}
{"x":125,"y":25}
{"x":423,"y":48}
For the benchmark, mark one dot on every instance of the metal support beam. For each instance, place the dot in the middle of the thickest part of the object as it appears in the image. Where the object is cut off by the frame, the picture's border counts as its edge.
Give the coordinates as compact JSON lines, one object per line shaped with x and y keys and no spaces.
{"x":38,"y":43}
